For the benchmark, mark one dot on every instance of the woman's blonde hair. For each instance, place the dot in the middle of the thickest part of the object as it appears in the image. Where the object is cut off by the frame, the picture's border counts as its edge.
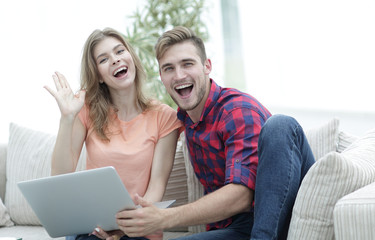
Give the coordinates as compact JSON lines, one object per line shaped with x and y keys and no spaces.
{"x":98,"y":98}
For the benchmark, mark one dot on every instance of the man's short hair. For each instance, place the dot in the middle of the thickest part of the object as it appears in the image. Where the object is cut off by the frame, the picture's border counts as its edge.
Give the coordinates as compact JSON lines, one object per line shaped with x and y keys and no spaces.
{"x":179,"y":34}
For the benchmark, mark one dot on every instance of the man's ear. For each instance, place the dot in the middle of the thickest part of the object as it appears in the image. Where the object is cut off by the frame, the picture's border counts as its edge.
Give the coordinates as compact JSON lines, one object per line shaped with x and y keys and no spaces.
{"x":207,"y":66}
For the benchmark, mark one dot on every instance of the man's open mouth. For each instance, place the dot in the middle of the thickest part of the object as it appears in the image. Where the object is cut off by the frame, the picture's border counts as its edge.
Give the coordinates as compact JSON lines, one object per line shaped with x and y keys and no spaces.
{"x":184,"y":89}
{"x":120,"y":72}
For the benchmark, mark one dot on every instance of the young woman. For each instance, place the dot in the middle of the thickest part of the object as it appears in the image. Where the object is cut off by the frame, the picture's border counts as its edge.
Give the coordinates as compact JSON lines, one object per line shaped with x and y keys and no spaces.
{"x":119,"y":125}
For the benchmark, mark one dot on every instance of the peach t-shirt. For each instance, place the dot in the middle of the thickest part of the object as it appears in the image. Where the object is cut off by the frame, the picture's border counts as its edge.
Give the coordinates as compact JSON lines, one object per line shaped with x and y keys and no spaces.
{"x":131,"y":148}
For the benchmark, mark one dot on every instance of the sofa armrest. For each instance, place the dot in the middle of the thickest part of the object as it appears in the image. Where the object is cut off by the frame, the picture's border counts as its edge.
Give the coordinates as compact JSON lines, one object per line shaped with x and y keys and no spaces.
{"x":3,"y":159}
{"x":354,"y":216}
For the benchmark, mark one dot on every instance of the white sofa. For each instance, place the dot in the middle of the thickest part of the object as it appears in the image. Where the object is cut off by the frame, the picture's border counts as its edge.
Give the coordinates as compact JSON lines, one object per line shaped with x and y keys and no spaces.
{"x":336,"y":199}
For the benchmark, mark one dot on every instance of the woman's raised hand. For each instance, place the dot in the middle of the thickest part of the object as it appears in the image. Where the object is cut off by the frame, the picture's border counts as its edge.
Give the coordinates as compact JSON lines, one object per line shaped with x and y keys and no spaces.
{"x":69,"y":103}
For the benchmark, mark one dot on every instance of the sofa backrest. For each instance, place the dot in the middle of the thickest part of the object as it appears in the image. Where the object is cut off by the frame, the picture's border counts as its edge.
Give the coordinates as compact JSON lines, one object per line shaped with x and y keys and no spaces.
{"x":3,"y":158}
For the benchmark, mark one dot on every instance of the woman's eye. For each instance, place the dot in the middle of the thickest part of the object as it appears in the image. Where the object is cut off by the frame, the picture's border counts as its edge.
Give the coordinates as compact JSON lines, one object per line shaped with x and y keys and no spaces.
{"x":103,"y":60}
{"x":120,"y":51}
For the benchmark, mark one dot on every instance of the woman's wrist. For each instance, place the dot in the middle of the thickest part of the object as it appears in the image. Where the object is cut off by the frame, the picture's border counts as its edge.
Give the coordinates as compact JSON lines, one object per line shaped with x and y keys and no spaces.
{"x":67,"y":119}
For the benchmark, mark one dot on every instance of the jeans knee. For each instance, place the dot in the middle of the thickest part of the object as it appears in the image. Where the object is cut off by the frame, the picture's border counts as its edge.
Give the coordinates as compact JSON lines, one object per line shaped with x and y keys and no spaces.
{"x":279,"y":122}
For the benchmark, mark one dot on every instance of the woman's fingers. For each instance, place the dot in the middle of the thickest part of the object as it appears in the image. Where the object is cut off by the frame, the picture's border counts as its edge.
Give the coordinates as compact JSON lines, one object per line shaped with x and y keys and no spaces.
{"x":62,"y":85}
{"x":68,"y":102}
{"x":57,"y":82}
{"x":52,"y":92}
{"x":100,"y":233}
{"x":63,"y":82}
{"x":60,"y":81}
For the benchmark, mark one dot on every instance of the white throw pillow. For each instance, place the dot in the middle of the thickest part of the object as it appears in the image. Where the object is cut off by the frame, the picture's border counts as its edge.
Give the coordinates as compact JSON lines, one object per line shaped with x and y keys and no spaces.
{"x":328,"y":180}
{"x":29,"y":157}
{"x":345,"y":140}
{"x":323,"y":139}
{"x":5,"y":218}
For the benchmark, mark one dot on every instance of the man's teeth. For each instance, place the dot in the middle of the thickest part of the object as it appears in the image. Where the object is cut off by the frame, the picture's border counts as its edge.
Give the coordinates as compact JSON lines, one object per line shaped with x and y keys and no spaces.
{"x":119,"y":70}
{"x":184,"y":86}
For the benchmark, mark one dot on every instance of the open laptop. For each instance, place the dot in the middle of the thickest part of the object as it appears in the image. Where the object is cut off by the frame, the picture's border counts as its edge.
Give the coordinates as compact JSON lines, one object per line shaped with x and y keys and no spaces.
{"x":76,"y":203}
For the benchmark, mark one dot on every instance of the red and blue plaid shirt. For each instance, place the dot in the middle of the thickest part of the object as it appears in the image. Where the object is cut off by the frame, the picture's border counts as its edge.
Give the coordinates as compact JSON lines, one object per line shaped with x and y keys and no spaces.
{"x":223,"y":143}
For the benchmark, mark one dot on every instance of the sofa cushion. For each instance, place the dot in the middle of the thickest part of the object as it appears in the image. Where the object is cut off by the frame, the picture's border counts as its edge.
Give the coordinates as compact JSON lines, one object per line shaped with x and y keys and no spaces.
{"x":329,"y":179}
{"x":27,"y":233}
{"x":4,"y":216}
{"x":29,"y":157}
{"x":3,"y":158}
{"x":323,"y":139}
{"x":354,"y":213}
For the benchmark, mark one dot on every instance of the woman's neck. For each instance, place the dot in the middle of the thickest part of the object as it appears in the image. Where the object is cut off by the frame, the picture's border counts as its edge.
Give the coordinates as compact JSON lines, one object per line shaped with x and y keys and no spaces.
{"x":126,"y":104}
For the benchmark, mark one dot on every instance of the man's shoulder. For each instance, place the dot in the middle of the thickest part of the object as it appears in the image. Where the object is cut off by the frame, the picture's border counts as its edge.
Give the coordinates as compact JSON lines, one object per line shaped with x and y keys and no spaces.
{"x":231,"y":98}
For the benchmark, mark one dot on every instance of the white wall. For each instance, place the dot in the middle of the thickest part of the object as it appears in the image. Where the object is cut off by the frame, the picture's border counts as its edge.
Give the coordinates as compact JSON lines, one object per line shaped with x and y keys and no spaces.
{"x":315,"y":55}
{"x":323,"y":46}
{"x":39,"y":37}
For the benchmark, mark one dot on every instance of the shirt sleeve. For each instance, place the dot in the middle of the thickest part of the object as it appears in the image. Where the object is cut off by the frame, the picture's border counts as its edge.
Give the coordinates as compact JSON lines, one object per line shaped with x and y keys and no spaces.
{"x":167,"y":121}
{"x":241,"y":130}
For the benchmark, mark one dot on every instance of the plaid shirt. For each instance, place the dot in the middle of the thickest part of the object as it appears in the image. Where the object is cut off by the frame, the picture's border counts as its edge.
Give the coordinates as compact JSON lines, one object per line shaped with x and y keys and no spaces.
{"x":223,"y":143}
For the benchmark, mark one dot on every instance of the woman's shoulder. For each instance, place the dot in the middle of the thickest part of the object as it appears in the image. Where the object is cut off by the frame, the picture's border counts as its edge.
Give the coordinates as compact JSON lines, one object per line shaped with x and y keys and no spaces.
{"x":84,"y":113}
{"x":157,"y":106}
{"x":162,"y":112}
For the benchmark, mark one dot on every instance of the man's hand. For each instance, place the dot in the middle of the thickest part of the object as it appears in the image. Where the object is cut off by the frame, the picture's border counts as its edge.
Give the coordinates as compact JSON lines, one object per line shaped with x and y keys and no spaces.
{"x":230,"y":199}
{"x":141,"y":221}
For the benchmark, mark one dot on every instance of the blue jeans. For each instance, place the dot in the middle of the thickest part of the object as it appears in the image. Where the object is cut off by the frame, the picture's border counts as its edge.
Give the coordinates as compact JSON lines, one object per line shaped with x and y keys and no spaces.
{"x":284,"y":159}
{"x":92,"y":237}
{"x":239,"y":230}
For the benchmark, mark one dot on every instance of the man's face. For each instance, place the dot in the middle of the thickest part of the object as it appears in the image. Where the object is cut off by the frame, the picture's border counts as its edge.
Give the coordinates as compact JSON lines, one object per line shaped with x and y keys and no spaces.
{"x":184,"y":76}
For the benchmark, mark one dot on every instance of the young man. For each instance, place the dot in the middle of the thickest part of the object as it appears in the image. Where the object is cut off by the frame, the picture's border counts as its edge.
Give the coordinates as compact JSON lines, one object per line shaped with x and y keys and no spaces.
{"x":250,"y":164}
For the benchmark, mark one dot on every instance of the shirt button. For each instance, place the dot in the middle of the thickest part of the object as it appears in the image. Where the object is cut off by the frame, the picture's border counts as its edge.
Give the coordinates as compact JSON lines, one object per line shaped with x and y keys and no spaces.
{"x":237,"y":160}
{"x":197,"y":146}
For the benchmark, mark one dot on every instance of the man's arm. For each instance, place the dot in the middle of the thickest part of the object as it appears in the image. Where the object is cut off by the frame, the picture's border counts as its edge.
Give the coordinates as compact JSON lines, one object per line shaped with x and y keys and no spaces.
{"x":221,"y":204}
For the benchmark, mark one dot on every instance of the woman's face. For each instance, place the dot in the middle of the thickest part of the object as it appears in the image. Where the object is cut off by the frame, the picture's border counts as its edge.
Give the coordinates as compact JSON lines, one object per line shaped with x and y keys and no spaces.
{"x":115,"y":64}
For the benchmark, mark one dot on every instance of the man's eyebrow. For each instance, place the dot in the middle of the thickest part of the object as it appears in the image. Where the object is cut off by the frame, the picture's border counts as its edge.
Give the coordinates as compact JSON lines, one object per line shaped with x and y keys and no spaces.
{"x":183,"y":60}
{"x":165,"y":65}
{"x":117,"y":46}
{"x":188,"y":60}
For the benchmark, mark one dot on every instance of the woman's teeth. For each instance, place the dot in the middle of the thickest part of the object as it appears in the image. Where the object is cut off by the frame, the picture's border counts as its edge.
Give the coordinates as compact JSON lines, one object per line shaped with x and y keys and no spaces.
{"x":120,"y":70}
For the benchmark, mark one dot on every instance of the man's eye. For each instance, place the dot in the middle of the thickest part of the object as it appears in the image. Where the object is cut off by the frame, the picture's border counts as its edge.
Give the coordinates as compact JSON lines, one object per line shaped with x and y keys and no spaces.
{"x":167,"y":69}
